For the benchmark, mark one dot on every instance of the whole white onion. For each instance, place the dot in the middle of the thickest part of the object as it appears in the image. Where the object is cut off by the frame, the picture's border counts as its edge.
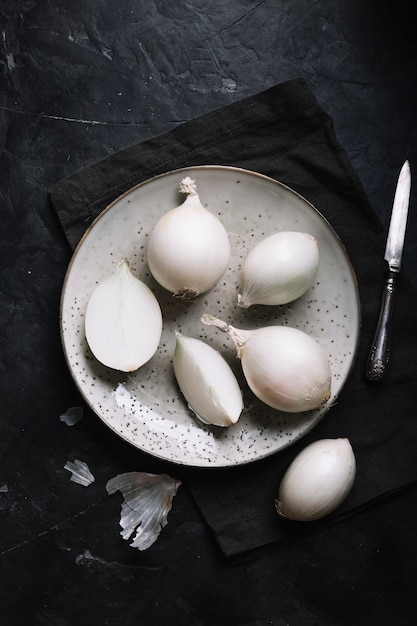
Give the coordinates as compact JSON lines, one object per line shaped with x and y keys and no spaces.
{"x":188,"y":248}
{"x":284,"y":367}
{"x":317,"y":481}
{"x":279,"y":269}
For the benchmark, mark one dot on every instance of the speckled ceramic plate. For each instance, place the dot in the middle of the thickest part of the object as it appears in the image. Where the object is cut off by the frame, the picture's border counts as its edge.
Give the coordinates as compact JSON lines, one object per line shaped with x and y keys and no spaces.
{"x":145,"y":408}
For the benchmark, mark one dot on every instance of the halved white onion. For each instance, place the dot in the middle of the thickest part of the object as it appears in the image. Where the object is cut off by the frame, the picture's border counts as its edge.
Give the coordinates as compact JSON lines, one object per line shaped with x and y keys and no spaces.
{"x":123,"y":321}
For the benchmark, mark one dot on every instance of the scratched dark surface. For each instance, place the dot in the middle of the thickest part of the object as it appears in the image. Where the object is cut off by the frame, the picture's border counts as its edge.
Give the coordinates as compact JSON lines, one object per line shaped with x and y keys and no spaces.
{"x":80,"y":81}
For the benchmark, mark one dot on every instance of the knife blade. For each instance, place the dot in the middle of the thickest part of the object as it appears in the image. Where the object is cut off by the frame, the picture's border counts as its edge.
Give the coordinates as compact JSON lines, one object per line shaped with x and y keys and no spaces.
{"x":379,"y":354}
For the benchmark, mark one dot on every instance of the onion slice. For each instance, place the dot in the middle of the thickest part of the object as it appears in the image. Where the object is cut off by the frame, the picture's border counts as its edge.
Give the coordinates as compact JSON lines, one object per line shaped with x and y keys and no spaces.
{"x":207,"y":382}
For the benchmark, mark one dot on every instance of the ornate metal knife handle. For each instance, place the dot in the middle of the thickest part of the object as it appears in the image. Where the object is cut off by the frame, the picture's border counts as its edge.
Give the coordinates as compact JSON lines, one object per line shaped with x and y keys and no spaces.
{"x":380,"y":351}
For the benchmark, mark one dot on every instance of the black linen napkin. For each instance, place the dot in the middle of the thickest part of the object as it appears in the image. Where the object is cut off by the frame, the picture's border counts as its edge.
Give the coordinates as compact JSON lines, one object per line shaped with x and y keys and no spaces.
{"x":283,"y":133}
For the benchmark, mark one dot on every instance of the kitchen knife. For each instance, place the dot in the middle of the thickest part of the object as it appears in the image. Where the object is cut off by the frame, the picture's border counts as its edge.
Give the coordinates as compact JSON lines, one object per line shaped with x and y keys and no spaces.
{"x":379,"y":354}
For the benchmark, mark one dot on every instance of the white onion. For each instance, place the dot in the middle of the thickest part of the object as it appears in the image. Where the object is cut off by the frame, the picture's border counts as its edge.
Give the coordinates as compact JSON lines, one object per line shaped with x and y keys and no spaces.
{"x":123,"y":321}
{"x":279,"y":269}
{"x":317,"y":481}
{"x":188,"y":249}
{"x":207,"y":382}
{"x":284,"y":367}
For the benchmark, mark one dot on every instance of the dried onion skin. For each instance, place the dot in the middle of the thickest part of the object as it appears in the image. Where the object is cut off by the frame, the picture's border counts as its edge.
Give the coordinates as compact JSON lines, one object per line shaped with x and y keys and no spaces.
{"x":147,"y":502}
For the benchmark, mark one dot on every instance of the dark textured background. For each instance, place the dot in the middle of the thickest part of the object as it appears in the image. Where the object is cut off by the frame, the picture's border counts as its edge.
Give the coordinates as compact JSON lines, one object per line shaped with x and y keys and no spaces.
{"x":80,"y":80}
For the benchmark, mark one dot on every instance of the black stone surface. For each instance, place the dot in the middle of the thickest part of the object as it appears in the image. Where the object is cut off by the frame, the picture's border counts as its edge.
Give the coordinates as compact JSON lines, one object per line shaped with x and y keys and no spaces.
{"x":78,"y":82}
